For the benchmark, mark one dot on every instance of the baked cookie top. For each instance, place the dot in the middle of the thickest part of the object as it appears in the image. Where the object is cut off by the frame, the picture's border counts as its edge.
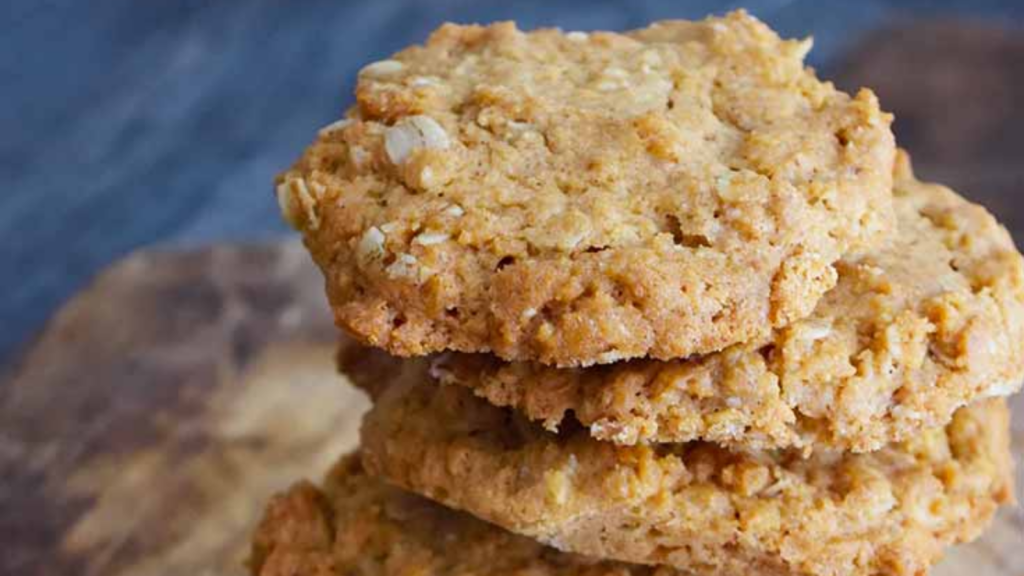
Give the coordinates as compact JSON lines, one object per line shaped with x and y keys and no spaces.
{"x":912,"y":331}
{"x":574,"y":198}
{"x":357,"y":525}
{"x":697,"y":506}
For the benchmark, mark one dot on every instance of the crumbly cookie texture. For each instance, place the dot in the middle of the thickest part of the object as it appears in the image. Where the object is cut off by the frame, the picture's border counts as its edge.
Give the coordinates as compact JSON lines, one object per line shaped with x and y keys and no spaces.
{"x":696,"y":506}
{"x":357,"y":525}
{"x":576,"y":198}
{"x":911,"y":332}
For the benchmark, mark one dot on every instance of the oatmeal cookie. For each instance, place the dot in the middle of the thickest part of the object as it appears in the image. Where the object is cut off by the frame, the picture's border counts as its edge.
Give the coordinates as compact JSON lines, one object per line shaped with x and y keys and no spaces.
{"x":573,"y":199}
{"x":357,"y":525}
{"x":911,"y":332}
{"x":696,"y":506}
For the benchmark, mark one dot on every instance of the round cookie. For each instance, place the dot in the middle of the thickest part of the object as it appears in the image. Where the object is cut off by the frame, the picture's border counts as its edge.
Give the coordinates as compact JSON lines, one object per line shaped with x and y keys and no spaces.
{"x":697,"y":506}
{"x":912,"y":331}
{"x":359,"y":526}
{"x":574,"y":198}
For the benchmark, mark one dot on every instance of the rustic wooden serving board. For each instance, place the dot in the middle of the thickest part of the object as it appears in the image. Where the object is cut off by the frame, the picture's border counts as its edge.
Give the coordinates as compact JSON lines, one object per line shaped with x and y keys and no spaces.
{"x":142,"y":431}
{"x":145,"y":429}
{"x":141,"y":434}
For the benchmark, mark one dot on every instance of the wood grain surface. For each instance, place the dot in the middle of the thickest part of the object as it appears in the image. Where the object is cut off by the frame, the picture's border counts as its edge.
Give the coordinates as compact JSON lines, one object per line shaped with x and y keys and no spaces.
{"x":142,"y":432}
{"x":144,"y":429}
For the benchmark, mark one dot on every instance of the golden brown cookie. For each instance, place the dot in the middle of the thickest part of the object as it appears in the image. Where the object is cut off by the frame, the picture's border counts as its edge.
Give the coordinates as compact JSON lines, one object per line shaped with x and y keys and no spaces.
{"x":574,"y":198}
{"x":359,"y":526}
{"x":922,"y":326}
{"x":697,"y":506}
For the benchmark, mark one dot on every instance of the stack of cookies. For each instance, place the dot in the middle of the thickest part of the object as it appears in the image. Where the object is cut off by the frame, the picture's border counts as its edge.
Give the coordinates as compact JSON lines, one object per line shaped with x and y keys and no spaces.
{"x":653,"y":302}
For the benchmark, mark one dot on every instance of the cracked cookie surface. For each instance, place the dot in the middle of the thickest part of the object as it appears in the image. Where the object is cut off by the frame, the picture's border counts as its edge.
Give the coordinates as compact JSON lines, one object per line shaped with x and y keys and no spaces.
{"x":927,"y":323}
{"x":356,"y":525}
{"x":578,"y":199}
{"x":696,"y":506}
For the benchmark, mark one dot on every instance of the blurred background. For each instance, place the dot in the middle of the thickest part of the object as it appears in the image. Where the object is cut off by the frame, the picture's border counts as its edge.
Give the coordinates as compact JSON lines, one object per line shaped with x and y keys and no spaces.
{"x":128,"y":124}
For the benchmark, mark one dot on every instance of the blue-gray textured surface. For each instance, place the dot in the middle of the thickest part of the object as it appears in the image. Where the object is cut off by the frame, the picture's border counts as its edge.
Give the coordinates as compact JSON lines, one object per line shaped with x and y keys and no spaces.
{"x":129,"y":123}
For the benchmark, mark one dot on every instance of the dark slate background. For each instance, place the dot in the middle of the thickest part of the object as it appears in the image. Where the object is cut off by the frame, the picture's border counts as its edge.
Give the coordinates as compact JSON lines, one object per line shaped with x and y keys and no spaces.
{"x":126,"y":123}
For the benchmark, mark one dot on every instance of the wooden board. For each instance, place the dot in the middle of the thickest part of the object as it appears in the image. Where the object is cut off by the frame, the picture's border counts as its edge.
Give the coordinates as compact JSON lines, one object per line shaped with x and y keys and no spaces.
{"x":146,"y":428}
